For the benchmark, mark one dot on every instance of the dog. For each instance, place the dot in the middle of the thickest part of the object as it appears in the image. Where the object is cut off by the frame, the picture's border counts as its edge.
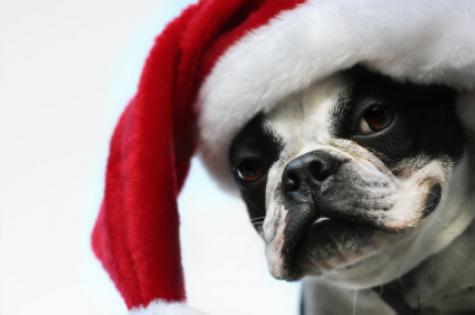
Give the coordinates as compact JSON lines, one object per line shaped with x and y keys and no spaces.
{"x":361,"y":186}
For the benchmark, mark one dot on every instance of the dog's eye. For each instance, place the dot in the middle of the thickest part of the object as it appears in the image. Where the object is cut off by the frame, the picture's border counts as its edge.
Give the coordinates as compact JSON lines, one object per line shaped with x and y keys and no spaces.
{"x":375,"y":119}
{"x":249,"y":170}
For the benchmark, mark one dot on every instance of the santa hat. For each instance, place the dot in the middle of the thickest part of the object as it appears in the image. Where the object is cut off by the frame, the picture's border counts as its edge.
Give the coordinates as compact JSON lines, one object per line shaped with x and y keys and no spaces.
{"x":214,"y":68}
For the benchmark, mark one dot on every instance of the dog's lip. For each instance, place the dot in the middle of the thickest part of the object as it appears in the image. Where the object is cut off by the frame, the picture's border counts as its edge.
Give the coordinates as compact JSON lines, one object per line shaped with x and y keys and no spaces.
{"x":295,"y":242}
{"x":321,"y":228}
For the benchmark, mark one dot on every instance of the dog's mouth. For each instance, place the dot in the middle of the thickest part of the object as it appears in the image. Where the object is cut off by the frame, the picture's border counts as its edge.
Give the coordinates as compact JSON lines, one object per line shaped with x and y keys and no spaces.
{"x":318,"y":237}
{"x":325,"y":241}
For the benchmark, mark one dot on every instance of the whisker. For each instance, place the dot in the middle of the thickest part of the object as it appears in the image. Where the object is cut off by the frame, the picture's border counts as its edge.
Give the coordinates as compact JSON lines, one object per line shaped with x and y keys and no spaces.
{"x":258,"y":222}
{"x":257,"y":219}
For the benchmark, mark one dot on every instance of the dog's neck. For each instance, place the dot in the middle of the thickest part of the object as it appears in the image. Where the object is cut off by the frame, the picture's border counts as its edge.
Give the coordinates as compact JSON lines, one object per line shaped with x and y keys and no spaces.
{"x":445,"y":281}
{"x":442,"y":284}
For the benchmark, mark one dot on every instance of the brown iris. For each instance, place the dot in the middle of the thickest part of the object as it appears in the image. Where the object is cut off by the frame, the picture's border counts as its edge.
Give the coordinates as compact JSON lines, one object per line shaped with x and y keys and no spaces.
{"x":249,"y":170}
{"x":375,"y":119}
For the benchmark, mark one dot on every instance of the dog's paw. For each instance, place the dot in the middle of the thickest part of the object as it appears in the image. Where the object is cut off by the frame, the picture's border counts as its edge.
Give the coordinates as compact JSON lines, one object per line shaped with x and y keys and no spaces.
{"x":165,"y":308}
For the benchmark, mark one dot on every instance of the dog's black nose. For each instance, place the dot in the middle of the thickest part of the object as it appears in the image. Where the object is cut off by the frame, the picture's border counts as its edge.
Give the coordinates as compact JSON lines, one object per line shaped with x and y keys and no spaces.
{"x":308,"y":171}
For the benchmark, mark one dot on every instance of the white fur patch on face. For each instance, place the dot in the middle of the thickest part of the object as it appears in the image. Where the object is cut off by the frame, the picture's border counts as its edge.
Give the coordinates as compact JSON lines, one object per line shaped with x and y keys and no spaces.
{"x":305,"y":119}
{"x":298,"y":122}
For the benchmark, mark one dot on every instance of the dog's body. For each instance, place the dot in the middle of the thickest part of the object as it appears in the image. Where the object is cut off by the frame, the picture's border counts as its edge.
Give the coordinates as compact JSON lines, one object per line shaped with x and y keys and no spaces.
{"x":358,"y":181}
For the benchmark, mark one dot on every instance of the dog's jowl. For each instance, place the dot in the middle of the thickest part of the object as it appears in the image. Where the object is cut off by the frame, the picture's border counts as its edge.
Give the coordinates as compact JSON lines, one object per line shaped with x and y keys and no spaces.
{"x":357,"y":181}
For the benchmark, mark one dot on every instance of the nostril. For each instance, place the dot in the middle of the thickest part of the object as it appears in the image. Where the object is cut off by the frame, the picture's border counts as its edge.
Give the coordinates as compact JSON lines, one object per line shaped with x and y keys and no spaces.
{"x":317,"y":170}
{"x":291,"y":182}
{"x":321,"y":169}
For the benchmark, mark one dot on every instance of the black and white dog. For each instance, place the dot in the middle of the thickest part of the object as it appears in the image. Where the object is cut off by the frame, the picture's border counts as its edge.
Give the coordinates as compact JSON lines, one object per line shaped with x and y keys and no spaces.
{"x":362,"y":185}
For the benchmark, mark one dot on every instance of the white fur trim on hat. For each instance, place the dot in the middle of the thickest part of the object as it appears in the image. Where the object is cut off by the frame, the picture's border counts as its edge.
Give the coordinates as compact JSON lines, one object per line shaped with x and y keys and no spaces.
{"x":426,"y":41}
{"x":160,"y":307}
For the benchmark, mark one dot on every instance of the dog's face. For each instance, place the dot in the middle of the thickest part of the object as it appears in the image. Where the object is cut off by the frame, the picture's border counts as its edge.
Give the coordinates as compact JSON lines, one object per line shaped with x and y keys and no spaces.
{"x":340,"y":175}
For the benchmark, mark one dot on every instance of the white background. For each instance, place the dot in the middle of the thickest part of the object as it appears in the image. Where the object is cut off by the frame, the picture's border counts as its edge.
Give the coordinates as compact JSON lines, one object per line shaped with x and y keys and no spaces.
{"x":66,"y":70}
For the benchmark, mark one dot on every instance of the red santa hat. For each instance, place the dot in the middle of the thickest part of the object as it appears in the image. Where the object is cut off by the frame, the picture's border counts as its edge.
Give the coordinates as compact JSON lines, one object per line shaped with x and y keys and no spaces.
{"x":215,"y":67}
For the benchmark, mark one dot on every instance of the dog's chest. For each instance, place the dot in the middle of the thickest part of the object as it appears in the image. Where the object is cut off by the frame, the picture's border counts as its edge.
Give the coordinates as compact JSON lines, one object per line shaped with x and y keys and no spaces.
{"x":447,"y":280}
{"x":442,"y":285}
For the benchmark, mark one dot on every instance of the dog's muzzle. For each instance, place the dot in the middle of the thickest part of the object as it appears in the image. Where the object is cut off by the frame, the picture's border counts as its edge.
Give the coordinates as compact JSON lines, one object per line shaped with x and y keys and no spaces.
{"x":304,"y":180}
{"x":333,"y":204}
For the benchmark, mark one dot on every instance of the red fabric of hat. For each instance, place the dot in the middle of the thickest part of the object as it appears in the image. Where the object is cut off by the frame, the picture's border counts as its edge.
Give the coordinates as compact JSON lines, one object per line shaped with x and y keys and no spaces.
{"x":136,"y":235}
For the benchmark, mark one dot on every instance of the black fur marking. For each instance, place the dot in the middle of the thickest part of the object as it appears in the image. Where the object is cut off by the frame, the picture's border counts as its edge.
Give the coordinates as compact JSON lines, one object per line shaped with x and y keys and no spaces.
{"x":256,"y":142}
{"x":425,"y":121}
{"x":433,"y":199}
